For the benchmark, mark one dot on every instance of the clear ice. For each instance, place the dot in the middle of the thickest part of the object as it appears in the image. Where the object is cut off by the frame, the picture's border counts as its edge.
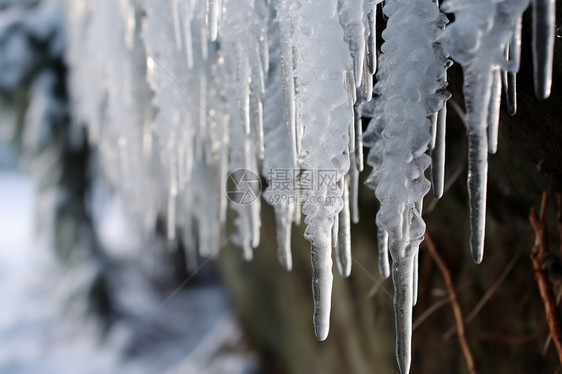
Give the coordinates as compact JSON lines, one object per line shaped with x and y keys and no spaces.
{"x":178,"y":94}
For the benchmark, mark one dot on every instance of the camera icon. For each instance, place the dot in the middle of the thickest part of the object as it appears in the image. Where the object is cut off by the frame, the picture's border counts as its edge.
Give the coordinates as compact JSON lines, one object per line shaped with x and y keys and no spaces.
{"x":243,"y":186}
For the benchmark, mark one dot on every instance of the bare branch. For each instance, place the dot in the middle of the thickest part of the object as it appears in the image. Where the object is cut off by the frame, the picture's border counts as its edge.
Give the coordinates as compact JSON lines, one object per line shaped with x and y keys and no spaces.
{"x":454,"y":302}
{"x":487,"y":296}
{"x":545,"y":288}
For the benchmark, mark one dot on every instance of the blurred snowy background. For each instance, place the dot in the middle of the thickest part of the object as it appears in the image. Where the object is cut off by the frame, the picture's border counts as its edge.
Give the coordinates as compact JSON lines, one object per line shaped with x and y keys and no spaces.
{"x":166,"y":328}
{"x":81,"y":291}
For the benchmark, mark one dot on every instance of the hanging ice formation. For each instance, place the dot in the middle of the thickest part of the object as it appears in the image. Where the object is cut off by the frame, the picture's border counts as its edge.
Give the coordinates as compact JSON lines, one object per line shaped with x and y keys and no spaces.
{"x":194,"y":90}
{"x":409,"y":94}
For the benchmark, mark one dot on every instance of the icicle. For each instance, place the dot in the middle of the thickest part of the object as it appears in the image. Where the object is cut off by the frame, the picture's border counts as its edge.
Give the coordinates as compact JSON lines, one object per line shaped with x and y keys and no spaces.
{"x":382,"y":243}
{"x":286,"y":53}
{"x":188,"y":42}
{"x":438,"y":154}
{"x":350,"y":86}
{"x":351,"y":19}
{"x":513,"y":55}
{"x":335,"y":238}
{"x":182,"y":167}
{"x":358,"y":138}
{"x":511,"y":92}
{"x":147,"y":140}
{"x":477,"y":100}
{"x":171,"y":222}
{"x":510,"y":87}
{"x":370,"y":20}
{"x":321,"y":68}
{"x":243,"y":81}
{"x":343,"y":248}
{"x":283,"y":225}
{"x":278,"y":163}
{"x":223,"y":174}
{"x":128,"y":11}
{"x":494,"y":111}
{"x":177,"y":23}
{"x":204,"y":44}
{"x":247,"y":251}
{"x":402,"y":276}
{"x":321,"y":288}
{"x":400,"y":126}
{"x":255,"y":223}
{"x":203,"y":128}
{"x":433,"y":120}
{"x":254,"y":207}
{"x":479,"y":63}
{"x":416,"y":277}
{"x":354,"y":191}
{"x":514,"y":50}
{"x":211,"y":19}
{"x":414,"y":244}
{"x":544,"y":30}
{"x":264,"y":48}
{"x":258,"y":120}
{"x":366,"y":89}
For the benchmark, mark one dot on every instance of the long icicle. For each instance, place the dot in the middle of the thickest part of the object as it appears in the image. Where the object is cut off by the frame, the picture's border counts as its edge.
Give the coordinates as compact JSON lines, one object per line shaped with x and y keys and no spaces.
{"x":343,"y":254}
{"x":494,"y":111}
{"x":438,"y":154}
{"x":544,"y":29}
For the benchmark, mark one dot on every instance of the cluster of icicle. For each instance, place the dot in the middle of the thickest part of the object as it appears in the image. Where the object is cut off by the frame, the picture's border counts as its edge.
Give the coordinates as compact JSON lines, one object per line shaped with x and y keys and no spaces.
{"x":179,"y":93}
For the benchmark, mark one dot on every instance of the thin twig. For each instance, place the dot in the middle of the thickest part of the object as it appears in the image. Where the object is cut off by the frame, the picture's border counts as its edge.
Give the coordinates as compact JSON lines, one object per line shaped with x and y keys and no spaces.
{"x":545,"y":288}
{"x":487,"y":296}
{"x":508,"y":339}
{"x":426,"y":266}
{"x":429,"y":311}
{"x":454,"y":302}
{"x":559,"y":295}
{"x":376,"y":287}
{"x":559,"y":217}
{"x":549,"y":337}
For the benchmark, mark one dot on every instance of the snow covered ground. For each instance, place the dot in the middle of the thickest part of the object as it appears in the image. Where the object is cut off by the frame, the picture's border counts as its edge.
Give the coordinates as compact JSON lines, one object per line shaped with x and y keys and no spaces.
{"x":191,"y":332}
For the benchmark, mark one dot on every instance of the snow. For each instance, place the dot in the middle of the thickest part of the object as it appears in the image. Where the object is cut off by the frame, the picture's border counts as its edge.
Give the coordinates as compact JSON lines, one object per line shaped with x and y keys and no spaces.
{"x":39,"y":334}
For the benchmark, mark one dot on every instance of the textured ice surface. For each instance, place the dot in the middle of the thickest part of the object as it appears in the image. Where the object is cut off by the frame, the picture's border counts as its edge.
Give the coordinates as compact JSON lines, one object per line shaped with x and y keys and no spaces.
{"x":399,"y":135}
{"x":326,"y":115}
{"x":178,"y":93}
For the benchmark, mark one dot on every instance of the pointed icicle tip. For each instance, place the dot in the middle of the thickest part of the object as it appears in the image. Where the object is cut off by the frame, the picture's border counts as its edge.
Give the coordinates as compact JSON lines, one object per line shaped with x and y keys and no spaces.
{"x":321,"y":288}
{"x":321,"y":332}
{"x":402,"y":276}
{"x":544,"y":19}
{"x":477,"y":250}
